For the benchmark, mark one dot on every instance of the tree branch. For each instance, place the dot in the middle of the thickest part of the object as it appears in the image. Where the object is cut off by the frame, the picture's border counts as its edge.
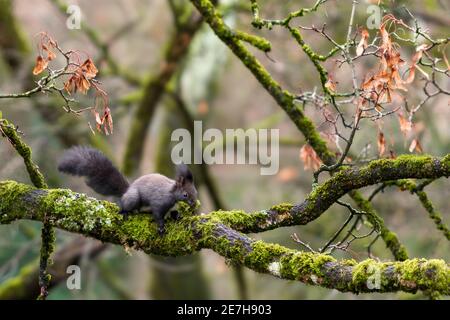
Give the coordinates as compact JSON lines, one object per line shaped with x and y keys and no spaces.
{"x":78,"y":213}
{"x":286,"y":100}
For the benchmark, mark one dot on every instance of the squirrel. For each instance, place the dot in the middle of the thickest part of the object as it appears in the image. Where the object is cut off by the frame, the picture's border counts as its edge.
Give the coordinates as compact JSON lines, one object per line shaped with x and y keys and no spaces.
{"x":154,"y":191}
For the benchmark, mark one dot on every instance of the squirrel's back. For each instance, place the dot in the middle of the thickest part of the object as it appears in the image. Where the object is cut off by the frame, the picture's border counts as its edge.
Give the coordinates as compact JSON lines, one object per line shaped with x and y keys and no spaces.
{"x":101,"y":175}
{"x":153,"y":190}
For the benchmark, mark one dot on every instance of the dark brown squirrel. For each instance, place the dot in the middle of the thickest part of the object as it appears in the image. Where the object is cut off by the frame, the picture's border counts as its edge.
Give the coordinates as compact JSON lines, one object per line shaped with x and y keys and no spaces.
{"x":154,"y":191}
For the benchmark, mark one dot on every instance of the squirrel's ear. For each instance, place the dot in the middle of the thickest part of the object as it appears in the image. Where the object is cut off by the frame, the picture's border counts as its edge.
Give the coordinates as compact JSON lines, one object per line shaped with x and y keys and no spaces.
{"x":184,"y":174}
{"x":180,"y":181}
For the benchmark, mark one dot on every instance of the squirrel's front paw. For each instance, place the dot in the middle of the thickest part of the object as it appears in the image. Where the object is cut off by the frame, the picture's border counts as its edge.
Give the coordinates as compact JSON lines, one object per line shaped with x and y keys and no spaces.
{"x":161,"y":230}
{"x":124,"y":214}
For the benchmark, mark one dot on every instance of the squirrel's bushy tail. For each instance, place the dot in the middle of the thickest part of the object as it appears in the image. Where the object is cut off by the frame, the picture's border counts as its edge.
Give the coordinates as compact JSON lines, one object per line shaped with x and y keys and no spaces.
{"x":101,"y":175}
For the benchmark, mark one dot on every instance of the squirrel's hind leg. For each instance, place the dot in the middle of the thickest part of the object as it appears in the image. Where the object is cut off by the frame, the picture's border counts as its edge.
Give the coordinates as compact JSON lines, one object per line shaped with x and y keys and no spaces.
{"x":129,"y":202}
{"x":158,"y":215}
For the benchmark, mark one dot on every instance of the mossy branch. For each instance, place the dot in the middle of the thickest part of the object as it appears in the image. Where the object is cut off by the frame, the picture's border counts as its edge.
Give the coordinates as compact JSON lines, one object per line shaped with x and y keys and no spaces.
{"x":258,"y":42}
{"x":259,"y":22}
{"x":81,"y":214}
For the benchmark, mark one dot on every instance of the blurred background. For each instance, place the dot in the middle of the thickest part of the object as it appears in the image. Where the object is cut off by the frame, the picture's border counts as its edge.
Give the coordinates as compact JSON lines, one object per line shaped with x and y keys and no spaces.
{"x":133,"y":44}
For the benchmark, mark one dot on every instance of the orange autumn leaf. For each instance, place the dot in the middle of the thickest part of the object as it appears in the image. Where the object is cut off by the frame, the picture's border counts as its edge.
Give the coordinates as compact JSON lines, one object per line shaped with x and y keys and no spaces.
{"x":330,"y":85}
{"x":82,"y":84}
{"x":415,"y":146}
{"x":98,"y":120}
{"x":381,"y":142}
{"x":415,"y":59}
{"x":309,"y":158}
{"x":70,"y":84}
{"x":106,"y":121}
{"x":41,"y":65}
{"x":363,"y":43}
{"x":107,"y":118}
{"x":89,"y":69}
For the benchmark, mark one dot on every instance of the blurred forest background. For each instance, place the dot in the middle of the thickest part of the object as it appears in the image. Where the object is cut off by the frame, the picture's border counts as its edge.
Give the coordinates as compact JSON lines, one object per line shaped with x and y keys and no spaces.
{"x":129,"y":42}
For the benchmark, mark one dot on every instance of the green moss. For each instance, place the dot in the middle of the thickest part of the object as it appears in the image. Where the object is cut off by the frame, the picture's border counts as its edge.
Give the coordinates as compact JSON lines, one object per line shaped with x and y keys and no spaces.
{"x":238,"y":219}
{"x":78,"y":212}
{"x":349,"y":262}
{"x":422,"y":273}
{"x":282,"y":207}
{"x":140,"y":232}
{"x":10,"y":194}
{"x":262,"y":254}
{"x":48,"y":240}
{"x":362,"y":271}
{"x":410,"y":275}
{"x":306,"y":266}
{"x":258,"y":42}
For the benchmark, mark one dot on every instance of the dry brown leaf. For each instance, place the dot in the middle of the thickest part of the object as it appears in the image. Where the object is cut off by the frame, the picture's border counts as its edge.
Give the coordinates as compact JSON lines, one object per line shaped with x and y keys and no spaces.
{"x":415,"y":146}
{"x":70,"y":84}
{"x":415,"y":59}
{"x":381,"y":142}
{"x":363,"y":43}
{"x":330,"y":85}
{"x":97,"y":118}
{"x":82,"y":84}
{"x":89,"y":69}
{"x":41,"y":65}
{"x":309,"y":158}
